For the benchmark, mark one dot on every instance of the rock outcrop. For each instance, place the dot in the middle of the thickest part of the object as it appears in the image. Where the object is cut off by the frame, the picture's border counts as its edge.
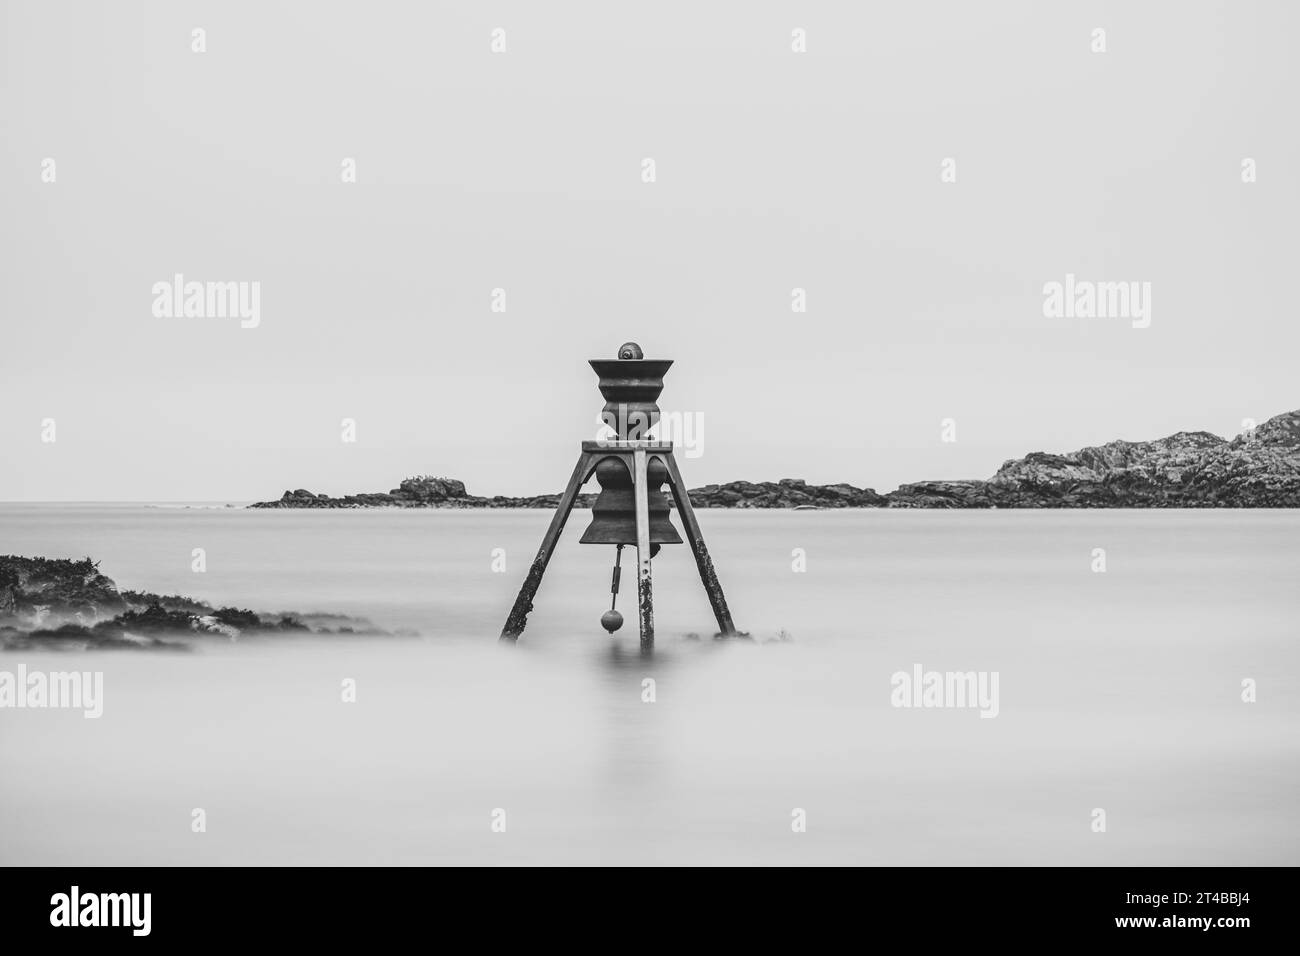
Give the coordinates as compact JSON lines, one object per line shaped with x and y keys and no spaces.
{"x":61,"y":603}
{"x":37,"y":590}
{"x":422,"y":491}
{"x":1185,"y":470}
{"x":449,"y":493}
{"x":940,"y":494}
{"x":786,"y":493}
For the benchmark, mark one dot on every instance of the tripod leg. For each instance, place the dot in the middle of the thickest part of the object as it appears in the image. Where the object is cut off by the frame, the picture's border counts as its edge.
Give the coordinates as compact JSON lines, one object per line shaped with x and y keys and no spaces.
{"x":518,"y":618}
{"x":644,"y":599}
{"x":703,"y":562}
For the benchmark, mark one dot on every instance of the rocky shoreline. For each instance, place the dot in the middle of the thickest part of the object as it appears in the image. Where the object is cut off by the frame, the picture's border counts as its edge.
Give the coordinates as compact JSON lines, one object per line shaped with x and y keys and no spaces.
{"x":56,"y":603}
{"x":422,"y":491}
{"x":1185,"y":470}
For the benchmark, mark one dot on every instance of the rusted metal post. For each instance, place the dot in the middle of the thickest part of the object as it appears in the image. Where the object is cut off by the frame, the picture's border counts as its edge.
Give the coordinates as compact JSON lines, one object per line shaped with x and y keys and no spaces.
{"x":518,"y":618}
{"x":695,"y":538}
{"x":644,"y":597}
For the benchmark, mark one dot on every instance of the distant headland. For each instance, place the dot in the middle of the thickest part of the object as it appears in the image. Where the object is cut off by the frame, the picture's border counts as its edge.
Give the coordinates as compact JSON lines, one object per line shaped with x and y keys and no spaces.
{"x":1258,"y":469}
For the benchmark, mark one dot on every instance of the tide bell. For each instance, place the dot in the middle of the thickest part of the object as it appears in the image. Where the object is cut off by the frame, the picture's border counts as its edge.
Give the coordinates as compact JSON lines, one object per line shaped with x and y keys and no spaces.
{"x":631,"y":508}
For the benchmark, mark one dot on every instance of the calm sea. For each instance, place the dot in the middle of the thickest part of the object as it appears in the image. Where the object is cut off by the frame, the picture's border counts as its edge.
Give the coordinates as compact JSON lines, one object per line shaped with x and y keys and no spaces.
{"x":1118,"y":691}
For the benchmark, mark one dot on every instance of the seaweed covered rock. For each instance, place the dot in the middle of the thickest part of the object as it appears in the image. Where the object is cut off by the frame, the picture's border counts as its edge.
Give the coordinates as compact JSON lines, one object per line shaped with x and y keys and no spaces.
{"x":54,"y":591}
{"x":69,"y":604}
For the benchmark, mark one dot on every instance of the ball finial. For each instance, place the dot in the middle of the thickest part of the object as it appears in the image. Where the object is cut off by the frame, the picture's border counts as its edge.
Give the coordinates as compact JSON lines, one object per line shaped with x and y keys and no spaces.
{"x":630,"y":350}
{"x":611,"y":621}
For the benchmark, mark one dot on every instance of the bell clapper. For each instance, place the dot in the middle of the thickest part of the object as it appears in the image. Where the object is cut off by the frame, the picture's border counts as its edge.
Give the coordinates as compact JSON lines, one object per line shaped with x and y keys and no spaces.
{"x":611,"y":620}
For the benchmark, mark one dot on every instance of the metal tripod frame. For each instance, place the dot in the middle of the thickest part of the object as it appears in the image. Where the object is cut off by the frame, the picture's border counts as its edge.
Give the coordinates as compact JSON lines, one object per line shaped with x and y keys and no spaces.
{"x":636,"y":456}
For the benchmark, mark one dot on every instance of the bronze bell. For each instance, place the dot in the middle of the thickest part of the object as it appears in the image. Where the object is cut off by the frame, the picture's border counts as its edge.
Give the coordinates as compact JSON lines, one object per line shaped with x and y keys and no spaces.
{"x":613,"y":513}
{"x":631,"y":385}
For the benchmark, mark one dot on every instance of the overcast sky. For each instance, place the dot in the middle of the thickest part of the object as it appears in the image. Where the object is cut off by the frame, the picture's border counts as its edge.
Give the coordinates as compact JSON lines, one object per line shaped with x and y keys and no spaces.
{"x":522,"y":170}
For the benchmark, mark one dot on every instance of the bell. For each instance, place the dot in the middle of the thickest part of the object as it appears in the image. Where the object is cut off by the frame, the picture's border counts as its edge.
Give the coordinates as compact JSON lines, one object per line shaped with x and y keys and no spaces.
{"x":613,"y":513}
{"x":631,"y":385}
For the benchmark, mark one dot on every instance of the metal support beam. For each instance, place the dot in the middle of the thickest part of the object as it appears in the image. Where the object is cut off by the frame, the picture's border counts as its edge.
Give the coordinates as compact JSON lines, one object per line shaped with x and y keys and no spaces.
{"x":695,"y":538}
{"x":518,"y":618}
{"x":644,"y":597}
